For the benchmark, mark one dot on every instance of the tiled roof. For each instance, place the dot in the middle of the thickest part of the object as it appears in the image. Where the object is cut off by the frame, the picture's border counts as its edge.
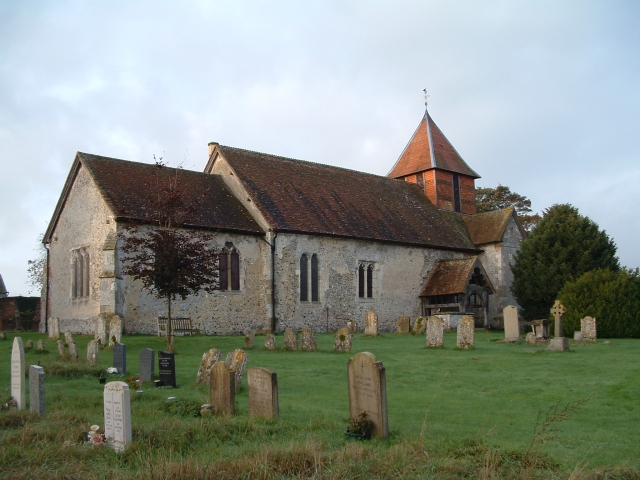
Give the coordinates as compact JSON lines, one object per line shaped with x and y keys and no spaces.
{"x":419,"y":153}
{"x":488,"y":227}
{"x":305,"y":197}
{"x":452,"y":276}
{"x":126,"y":187}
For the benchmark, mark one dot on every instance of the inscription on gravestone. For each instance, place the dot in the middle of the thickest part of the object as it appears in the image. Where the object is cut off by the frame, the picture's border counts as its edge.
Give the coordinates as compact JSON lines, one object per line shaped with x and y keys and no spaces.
{"x":147,"y":362}
{"x":371,"y":324}
{"x":263,"y":393}
{"x":17,"y":373}
{"x":120,"y":357}
{"x":117,"y":415}
{"x":36,"y":389}
{"x":435,"y":332}
{"x":368,"y":391}
{"x":167,"y":368}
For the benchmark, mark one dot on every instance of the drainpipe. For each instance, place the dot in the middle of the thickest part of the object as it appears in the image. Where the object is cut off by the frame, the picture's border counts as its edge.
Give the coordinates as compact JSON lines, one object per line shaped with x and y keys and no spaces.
{"x":274,"y":321}
{"x":46,"y":295}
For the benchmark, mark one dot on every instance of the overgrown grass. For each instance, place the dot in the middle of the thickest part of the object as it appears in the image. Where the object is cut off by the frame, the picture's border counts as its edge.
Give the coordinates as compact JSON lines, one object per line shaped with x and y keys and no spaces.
{"x":482,"y":407}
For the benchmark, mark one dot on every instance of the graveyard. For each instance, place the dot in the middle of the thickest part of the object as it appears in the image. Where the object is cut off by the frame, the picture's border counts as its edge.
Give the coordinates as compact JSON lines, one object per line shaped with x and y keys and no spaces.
{"x":451,"y":412}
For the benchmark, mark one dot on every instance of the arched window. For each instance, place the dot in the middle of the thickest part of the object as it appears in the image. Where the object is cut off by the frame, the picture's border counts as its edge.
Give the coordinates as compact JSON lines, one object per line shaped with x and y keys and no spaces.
{"x":229,"y":269}
{"x":314,"y":278}
{"x":304,"y":278}
{"x":304,"y":281}
{"x":80,"y":265}
{"x":365,"y":280}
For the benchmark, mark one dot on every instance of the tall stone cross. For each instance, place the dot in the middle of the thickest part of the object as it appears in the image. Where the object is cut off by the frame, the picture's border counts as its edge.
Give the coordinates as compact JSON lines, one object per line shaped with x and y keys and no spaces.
{"x":558,"y":310}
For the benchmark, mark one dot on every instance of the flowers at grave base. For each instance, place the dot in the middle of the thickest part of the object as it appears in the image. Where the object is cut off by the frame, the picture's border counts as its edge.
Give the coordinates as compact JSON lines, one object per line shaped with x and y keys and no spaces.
{"x":359,"y":425}
{"x":94,"y":437}
{"x":112,"y":370}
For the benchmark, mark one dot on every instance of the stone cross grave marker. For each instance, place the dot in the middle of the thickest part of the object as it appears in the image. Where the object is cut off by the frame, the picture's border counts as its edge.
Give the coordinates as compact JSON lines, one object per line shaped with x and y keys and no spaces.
{"x":342,"y":342}
{"x":117,"y":415}
{"x":368,"y":391}
{"x":404,"y":324}
{"x":115,"y":329}
{"x":511,"y":325}
{"x":73,"y":350}
{"x":209,"y":359}
{"x":290,"y":340}
{"x":17,"y":373}
{"x":559,"y":343}
{"x":92,"y":352}
{"x":263,"y":393}
{"x":146,"y":371}
{"x":435,"y":332}
{"x":120,"y":357}
{"x":41,"y":347}
{"x":36,"y":389}
{"x":308,"y":340}
{"x":466,"y":332}
{"x":371,"y":324}
{"x":270,"y":342}
{"x":588,"y":328}
{"x":222,"y":392}
{"x":249,"y":337}
{"x":237,"y":361}
{"x":54,"y":328}
{"x":167,"y":368}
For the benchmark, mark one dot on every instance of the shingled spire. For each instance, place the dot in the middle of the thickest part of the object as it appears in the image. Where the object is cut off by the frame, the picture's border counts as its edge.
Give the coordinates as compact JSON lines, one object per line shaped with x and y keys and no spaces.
{"x":430,"y":161}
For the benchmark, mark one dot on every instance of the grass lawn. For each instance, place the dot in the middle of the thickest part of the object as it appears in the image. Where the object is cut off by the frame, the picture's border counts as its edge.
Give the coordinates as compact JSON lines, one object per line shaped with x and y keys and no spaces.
{"x":481,"y":408}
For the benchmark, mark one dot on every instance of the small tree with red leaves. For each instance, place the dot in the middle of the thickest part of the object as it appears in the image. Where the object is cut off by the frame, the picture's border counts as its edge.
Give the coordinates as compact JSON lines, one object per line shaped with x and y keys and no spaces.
{"x":168,"y":261}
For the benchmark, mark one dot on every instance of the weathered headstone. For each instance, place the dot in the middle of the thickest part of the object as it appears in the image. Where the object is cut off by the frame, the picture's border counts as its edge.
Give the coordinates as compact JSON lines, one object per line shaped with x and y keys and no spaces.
{"x":352,"y":327}
{"x":115,"y":329}
{"x":222,"y":393}
{"x":167,"y":368}
{"x":92,"y":352}
{"x":466,"y":332}
{"x":101,"y":328}
{"x":263,"y":393}
{"x":146,"y":371}
{"x":29,"y":345}
{"x":3,"y":336}
{"x":290,"y":340}
{"x":435,"y":332}
{"x":368,"y":391}
{"x":117,"y":415}
{"x":41,"y":347}
{"x":308,"y":340}
{"x":209,"y":359}
{"x":120,"y":357}
{"x":237,"y":361}
{"x":270,"y":342}
{"x":61,"y":350}
{"x":342,"y":342}
{"x":371,"y":324}
{"x":73,"y":350}
{"x":420,"y":326}
{"x":403,"y":324}
{"x":54,"y":328}
{"x":17,"y":373}
{"x":530,"y":338}
{"x":249,"y":337}
{"x":68,"y":337}
{"x":577,"y":336}
{"x":36,"y":389}
{"x":558,"y":343}
{"x":588,"y":328}
{"x":511,"y":325}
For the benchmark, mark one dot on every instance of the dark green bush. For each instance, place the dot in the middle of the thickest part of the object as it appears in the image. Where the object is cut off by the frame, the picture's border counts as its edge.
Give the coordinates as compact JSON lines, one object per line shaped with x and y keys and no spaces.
{"x":612,"y":297}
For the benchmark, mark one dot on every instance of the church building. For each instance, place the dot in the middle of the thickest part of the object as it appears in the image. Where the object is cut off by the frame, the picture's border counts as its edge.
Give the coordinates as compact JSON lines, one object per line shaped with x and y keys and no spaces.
{"x":301,"y":244}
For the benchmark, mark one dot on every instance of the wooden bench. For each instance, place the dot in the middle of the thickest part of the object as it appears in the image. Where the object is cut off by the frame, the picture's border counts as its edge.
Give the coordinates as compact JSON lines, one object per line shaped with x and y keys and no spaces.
{"x":179,"y":325}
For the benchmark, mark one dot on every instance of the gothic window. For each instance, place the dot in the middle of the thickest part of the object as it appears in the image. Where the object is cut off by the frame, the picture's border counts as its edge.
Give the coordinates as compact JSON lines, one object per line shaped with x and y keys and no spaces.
{"x":80,"y":273}
{"x":305,"y":278}
{"x":229,"y":269}
{"x":457,"y":207}
{"x":365,"y":280}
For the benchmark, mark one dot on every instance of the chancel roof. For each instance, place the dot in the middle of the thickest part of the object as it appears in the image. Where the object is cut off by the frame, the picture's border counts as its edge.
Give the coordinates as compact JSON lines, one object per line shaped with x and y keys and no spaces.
{"x":489,"y":227}
{"x":311,"y":198}
{"x":451,"y":276}
{"x":428,"y":149}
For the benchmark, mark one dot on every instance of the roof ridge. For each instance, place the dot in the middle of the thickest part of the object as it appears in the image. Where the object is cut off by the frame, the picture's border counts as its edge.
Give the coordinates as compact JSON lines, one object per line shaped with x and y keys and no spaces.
{"x":102,"y":157}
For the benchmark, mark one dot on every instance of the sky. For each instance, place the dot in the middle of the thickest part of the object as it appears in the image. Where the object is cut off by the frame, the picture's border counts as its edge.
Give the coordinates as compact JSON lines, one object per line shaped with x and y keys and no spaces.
{"x":543,"y":96}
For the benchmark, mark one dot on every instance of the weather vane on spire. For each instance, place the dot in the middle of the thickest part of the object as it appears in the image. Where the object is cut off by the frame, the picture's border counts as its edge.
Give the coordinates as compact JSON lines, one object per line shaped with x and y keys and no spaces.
{"x":425,"y":97}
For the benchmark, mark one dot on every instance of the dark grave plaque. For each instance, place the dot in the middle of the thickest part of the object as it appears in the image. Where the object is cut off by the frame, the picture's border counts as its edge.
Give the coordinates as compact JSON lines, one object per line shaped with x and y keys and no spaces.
{"x":147,"y":361}
{"x":120,"y":357}
{"x":167,"y":367}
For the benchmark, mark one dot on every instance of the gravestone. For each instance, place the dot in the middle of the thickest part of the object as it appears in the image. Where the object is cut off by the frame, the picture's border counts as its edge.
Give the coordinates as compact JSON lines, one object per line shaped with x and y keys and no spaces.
{"x":36,"y":389}
{"x":511,"y":325}
{"x":404,"y":324}
{"x":249,"y":337}
{"x":368,"y":391}
{"x":371,"y":324}
{"x":73,"y":350}
{"x":308,"y":340}
{"x":115,"y":329}
{"x":117,"y":415}
{"x":342,"y":342}
{"x":92,"y":352}
{"x":352,"y":327}
{"x":209,"y":359}
{"x":222,"y":390}
{"x":101,"y":329}
{"x":263,"y":393}
{"x":54,"y":328}
{"x":435,"y":332}
{"x":290,"y":340}
{"x":68,"y":337}
{"x":559,"y":343}
{"x":17,"y":373}
{"x":588,"y":328}
{"x":530,"y":339}
{"x":29,"y":345}
{"x":167,"y":368}
{"x":3,"y":336}
{"x":120,"y":357}
{"x":61,"y":351}
{"x":270,"y":342}
{"x":577,"y":336}
{"x":237,"y":361}
{"x":41,"y":347}
{"x":420,"y":326}
{"x":466,"y":332}
{"x":146,"y":371}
